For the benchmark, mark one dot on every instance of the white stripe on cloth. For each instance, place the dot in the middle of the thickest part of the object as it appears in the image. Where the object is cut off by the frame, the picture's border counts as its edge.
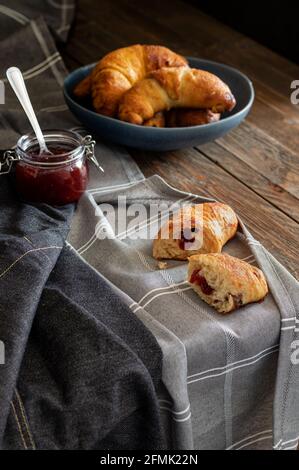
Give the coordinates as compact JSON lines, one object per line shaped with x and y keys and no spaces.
{"x":105,"y":189}
{"x":233,"y":368}
{"x":280,"y":443}
{"x":291,"y":447}
{"x":44,"y":47}
{"x":15,"y":15}
{"x":162,"y":288}
{"x":63,"y":24}
{"x":159,"y":295}
{"x":178,"y":420}
{"x":181,"y":420}
{"x":155,"y":218}
{"x":294,"y":328}
{"x":53,"y":109}
{"x":64,"y":28}
{"x":37,"y":72}
{"x":115,"y":186}
{"x":175,"y":412}
{"x":60,"y":5}
{"x":254,"y":441}
{"x":94,"y":238}
{"x":161,"y":400}
{"x":267,"y":431}
{"x":133,"y":230}
{"x":234,"y":363}
{"x":286,"y":442}
{"x":37,"y":67}
{"x":171,"y":286}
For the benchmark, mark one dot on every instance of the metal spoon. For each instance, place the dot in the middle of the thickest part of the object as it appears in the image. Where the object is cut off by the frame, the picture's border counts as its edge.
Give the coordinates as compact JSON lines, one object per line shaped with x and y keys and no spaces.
{"x":15,"y":78}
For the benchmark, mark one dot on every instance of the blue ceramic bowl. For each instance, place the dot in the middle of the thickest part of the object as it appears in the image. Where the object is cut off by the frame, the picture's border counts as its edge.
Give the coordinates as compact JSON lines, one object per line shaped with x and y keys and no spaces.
{"x":152,"y":138}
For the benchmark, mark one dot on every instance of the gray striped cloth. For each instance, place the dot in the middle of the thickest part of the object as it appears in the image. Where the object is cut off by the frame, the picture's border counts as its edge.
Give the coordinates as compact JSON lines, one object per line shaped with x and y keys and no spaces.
{"x":17,"y":13}
{"x":229,"y":382}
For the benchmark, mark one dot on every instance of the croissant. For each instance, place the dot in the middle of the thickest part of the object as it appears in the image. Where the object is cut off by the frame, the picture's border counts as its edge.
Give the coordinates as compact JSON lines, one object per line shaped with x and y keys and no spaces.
{"x":185,"y":117}
{"x":202,"y":228}
{"x":226,"y":282}
{"x":119,"y":70}
{"x":158,"y":120}
{"x":182,"y":117}
{"x":174,"y":87}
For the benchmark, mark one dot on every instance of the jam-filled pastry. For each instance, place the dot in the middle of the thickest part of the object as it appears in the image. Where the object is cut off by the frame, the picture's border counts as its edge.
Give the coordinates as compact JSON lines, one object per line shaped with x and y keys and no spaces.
{"x":202,"y":228}
{"x":224,"y":282}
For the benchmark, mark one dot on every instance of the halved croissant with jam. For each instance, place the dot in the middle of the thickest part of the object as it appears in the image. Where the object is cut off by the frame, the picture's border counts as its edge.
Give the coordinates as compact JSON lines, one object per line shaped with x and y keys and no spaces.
{"x":119,"y":70}
{"x":174,"y":87}
{"x":224,"y":282}
{"x":202,"y":228}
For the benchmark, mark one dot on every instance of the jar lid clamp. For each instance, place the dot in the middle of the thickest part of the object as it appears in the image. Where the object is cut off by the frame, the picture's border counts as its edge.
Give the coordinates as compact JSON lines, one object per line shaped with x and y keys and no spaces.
{"x":89,"y":144}
{"x":8,"y":157}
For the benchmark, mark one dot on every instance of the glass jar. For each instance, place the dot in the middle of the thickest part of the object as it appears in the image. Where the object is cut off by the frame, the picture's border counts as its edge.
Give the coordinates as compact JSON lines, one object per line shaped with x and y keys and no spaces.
{"x":58,"y":178}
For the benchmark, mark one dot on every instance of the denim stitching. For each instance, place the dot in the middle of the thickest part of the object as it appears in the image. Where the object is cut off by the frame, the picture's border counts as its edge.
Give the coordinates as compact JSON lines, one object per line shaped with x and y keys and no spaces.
{"x":32,"y":244}
{"x":19,"y":426}
{"x":25,"y":420}
{"x":24,"y":254}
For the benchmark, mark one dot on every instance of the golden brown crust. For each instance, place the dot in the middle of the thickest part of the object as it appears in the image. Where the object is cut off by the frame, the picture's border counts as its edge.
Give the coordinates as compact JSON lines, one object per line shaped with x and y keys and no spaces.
{"x":174,"y":87}
{"x":158,"y":120}
{"x":185,"y":117}
{"x":119,"y":70}
{"x":226,"y":282}
{"x":210,"y":224}
{"x":83,"y":88}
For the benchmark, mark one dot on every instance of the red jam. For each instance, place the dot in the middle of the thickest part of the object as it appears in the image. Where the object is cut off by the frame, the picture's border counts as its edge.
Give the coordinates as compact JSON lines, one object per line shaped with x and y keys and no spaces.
{"x":201,"y":281}
{"x":56,"y":184}
{"x":187,"y":238}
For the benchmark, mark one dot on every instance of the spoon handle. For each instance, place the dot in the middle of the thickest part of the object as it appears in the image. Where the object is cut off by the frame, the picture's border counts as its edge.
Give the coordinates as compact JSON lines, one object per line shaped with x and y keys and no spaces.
{"x":15,"y":78}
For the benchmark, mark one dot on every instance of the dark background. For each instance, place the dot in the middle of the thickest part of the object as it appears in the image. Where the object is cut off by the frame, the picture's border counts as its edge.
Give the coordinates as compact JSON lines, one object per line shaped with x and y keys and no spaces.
{"x":274,"y":24}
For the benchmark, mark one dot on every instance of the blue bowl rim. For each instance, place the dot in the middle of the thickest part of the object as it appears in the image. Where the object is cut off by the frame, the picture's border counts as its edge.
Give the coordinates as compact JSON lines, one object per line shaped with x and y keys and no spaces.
{"x":168,"y":130}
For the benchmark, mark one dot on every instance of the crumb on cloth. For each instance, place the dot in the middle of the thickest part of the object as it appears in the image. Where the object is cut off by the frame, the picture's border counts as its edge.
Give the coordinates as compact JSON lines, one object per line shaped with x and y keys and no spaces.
{"x":162,"y":265}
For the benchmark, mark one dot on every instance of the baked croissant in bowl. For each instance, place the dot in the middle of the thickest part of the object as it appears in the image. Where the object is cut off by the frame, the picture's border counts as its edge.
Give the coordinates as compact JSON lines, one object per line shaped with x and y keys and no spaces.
{"x":202,"y":228}
{"x":185,"y":117}
{"x":225,"y":282}
{"x":182,"y":117}
{"x":174,"y":87}
{"x":119,"y":70}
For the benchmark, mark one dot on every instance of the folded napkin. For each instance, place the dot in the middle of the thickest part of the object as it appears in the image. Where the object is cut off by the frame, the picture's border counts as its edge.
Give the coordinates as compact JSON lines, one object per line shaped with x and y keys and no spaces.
{"x":80,"y":368}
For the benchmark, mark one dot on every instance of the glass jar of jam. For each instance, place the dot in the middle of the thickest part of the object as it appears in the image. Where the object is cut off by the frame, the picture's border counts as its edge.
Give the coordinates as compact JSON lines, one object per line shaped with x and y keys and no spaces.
{"x":57,"y":178}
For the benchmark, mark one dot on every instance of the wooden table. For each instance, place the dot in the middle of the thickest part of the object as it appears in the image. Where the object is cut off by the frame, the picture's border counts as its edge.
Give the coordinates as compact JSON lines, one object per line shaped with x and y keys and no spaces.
{"x":254,"y":168}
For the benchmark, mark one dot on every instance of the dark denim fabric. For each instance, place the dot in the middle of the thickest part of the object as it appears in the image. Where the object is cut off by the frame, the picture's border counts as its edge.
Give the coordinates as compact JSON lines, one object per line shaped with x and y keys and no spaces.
{"x":80,"y":369}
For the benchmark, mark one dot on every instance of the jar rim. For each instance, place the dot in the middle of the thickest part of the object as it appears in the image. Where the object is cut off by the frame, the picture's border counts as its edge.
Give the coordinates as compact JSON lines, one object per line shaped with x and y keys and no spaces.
{"x":57,"y":136}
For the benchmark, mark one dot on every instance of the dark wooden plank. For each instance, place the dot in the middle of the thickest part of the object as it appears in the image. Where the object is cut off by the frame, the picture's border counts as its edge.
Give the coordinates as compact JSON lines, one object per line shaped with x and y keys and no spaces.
{"x":278,"y":197}
{"x":265,"y":155}
{"x":277,"y":123}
